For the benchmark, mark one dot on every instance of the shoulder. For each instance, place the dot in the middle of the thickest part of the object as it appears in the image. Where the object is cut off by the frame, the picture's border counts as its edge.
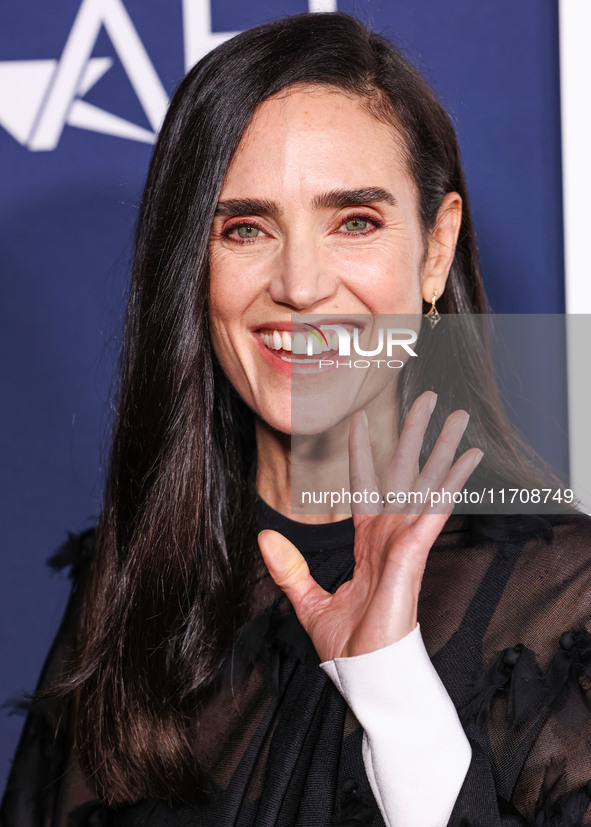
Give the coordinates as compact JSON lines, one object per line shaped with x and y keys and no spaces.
{"x":548,"y":591}
{"x":38,"y":770}
{"x":74,"y":555}
{"x":571,"y":531}
{"x":560,"y":561}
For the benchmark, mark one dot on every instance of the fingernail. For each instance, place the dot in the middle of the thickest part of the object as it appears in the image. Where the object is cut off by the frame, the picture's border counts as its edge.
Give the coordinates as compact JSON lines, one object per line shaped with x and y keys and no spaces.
{"x":364,"y":415}
{"x":477,"y":458}
{"x":432,"y":402}
{"x":458,"y":420}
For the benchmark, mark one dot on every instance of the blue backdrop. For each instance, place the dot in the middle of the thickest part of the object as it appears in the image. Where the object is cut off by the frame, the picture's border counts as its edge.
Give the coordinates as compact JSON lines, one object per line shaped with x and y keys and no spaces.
{"x":75,"y":145}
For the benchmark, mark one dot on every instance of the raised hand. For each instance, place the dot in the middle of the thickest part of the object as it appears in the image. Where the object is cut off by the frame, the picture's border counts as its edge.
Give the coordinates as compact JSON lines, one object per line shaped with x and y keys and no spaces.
{"x":378,"y":606}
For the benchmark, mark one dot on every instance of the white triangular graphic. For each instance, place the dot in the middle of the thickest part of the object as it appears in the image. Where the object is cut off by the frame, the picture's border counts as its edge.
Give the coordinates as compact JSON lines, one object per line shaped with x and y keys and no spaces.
{"x":73,"y":72}
{"x":23,"y":86}
{"x":95,"y":69}
{"x":322,"y":5}
{"x":197,"y":34}
{"x":38,"y":97}
{"x":86,"y":116}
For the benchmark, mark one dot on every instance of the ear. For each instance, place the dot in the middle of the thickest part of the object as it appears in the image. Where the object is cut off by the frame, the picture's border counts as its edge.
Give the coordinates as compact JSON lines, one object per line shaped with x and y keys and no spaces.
{"x":442,"y":246}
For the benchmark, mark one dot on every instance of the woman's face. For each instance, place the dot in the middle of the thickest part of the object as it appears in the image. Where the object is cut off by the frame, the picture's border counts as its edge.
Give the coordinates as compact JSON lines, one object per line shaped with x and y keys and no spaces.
{"x":317,"y":214}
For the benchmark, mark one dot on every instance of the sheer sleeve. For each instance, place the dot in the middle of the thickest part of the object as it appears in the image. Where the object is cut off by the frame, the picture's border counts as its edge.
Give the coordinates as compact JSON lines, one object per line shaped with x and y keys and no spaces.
{"x":46,"y":787}
{"x":527,"y":711}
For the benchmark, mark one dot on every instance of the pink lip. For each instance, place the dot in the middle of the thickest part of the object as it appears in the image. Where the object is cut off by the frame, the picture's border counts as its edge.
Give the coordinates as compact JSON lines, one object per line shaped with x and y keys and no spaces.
{"x":299,"y":326}
{"x":290,"y":368}
{"x":280,"y":326}
{"x":301,"y":368}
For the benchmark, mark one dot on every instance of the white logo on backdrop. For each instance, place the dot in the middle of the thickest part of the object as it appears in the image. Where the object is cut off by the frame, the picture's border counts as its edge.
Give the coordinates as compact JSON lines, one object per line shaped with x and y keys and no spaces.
{"x":39,"y":97}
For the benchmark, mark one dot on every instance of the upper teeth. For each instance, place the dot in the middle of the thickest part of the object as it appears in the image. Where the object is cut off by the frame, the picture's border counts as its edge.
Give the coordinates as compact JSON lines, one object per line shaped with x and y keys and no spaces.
{"x":283,"y":340}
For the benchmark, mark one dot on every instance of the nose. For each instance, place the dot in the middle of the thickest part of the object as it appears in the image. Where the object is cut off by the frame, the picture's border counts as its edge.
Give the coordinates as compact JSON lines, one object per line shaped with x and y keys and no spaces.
{"x":303,"y":278}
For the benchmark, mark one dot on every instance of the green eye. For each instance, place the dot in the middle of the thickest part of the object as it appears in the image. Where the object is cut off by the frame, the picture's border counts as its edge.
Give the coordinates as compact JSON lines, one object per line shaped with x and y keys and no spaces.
{"x":247,"y":231}
{"x":354,"y":224}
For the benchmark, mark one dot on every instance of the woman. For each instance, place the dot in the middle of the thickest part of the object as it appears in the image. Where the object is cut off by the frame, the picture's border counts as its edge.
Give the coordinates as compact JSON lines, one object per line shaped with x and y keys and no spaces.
{"x":304,"y":167}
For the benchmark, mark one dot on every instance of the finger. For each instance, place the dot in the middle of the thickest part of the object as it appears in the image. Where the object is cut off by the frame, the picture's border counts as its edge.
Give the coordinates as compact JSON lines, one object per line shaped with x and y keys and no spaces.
{"x":404,"y":465}
{"x":422,"y":534}
{"x":442,"y":455}
{"x":454,"y":481}
{"x":362,"y":475}
{"x":289,"y":570}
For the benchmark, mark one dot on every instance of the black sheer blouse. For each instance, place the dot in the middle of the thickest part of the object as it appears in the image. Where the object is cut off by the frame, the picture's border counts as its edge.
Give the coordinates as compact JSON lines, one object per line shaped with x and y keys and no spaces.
{"x":505,"y":614}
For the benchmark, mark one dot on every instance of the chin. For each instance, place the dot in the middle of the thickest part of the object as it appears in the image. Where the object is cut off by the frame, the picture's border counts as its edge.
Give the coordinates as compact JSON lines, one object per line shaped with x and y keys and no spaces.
{"x":280,"y":424}
{"x":308,"y":423}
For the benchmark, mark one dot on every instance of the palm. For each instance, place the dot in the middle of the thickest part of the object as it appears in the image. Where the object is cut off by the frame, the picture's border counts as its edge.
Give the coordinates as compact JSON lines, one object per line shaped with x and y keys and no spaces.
{"x":378,"y":606}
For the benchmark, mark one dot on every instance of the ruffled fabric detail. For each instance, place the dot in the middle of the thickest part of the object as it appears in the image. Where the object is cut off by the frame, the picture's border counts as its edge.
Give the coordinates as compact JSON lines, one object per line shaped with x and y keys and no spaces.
{"x":17,"y":706}
{"x":569,"y":664}
{"x":514,"y":674}
{"x":567,"y":810}
{"x":74,"y":553}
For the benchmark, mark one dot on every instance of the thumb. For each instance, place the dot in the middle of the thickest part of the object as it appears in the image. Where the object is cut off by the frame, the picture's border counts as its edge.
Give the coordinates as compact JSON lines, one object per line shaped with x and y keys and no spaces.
{"x":289,"y":570}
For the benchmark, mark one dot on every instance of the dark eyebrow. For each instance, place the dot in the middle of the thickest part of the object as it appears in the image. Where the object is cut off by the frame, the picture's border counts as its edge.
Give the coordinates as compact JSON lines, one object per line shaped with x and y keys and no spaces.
{"x":351,"y":198}
{"x":247,"y":206}
{"x":334,"y":198}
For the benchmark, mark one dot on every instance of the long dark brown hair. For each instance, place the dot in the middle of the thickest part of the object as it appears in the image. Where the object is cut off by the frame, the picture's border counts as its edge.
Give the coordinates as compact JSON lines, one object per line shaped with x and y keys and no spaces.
{"x":175,"y":550}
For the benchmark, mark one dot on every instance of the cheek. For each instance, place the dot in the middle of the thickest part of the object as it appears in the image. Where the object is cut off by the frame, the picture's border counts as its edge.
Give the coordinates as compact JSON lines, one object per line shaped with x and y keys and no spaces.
{"x":388,"y":281}
{"x":224,"y":309}
{"x":234,"y":283}
{"x":232,"y":297}
{"x":222,"y":304}
{"x":227,"y":295}
{"x":220,"y":314}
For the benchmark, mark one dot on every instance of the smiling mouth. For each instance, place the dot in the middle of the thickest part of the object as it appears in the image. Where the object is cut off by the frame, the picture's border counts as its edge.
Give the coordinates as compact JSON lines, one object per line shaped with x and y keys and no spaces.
{"x":294,"y":347}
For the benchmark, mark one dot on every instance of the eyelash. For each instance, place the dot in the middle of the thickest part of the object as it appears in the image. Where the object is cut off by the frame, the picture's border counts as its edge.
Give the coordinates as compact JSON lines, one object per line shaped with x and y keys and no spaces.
{"x":376,"y":224}
{"x":227,"y":230}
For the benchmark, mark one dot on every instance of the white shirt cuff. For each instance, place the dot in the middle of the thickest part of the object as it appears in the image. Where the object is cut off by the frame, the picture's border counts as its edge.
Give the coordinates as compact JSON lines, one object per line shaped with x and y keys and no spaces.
{"x":415,"y":752}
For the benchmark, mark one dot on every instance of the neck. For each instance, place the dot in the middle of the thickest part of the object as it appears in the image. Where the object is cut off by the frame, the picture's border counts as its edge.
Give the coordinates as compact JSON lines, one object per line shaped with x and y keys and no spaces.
{"x":273,"y":477}
{"x":321,"y":458}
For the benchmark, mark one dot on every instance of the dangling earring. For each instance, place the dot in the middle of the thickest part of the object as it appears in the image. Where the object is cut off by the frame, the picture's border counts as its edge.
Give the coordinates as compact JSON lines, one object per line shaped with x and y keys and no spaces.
{"x":433,"y":315}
